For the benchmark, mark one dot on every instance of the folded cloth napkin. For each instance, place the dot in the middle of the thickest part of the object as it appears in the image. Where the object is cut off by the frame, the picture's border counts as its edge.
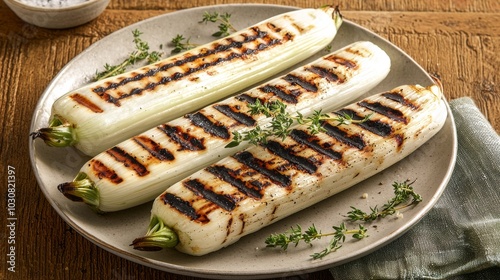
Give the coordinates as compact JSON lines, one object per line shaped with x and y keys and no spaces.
{"x":460,"y":236}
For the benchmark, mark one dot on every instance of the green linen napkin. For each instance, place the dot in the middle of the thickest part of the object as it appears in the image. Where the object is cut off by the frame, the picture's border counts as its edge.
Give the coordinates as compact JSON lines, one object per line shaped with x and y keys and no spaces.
{"x":460,"y":236}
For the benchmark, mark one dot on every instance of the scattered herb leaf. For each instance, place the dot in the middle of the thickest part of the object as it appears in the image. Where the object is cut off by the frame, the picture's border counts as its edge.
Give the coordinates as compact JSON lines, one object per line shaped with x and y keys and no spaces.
{"x":295,"y":235}
{"x":181,"y":44}
{"x":225,"y":26}
{"x":403,"y":193}
{"x":282,"y":121}
{"x":141,"y":53}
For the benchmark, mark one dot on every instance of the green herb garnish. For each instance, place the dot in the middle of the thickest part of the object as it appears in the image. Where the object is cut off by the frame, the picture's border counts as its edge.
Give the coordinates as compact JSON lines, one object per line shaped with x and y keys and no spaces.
{"x":141,"y":53}
{"x":282,"y":121}
{"x":295,"y":235}
{"x":403,"y":193}
{"x":181,"y":44}
{"x":225,"y":26}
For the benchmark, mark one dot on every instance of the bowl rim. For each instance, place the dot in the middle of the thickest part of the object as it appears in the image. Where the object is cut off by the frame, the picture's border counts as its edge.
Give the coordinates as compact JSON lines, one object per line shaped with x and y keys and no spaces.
{"x":54,"y":9}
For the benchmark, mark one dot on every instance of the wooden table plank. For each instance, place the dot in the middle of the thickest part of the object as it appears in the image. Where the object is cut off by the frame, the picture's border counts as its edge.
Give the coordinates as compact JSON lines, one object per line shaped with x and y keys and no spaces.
{"x":455,"y":40}
{"x":461,"y":49}
{"x":456,"y":6}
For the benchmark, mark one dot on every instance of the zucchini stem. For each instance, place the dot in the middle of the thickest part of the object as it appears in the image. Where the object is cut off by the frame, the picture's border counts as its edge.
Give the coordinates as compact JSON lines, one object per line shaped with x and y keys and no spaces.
{"x":59,"y":133}
{"x":336,"y":15}
{"x":158,"y":237}
{"x":81,"y":189}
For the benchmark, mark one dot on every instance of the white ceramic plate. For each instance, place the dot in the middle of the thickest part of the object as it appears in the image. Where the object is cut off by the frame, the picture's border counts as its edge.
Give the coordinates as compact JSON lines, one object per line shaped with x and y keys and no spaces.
{"x":431,"y":165}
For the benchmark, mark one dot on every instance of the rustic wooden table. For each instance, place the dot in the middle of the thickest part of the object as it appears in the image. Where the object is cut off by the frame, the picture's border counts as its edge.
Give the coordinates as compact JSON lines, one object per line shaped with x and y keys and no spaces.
{"x":458,"y":41}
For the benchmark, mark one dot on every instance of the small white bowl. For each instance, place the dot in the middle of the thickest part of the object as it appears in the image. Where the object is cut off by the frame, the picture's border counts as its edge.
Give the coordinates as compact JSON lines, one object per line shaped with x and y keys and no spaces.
{"x":58,"y":17}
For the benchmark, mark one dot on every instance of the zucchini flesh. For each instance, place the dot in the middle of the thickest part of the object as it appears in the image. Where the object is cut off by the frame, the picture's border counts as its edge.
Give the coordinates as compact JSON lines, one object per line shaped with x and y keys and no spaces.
{"x":138,"y":169}
{"x":240,"y":194}
{"x":100,"y":115}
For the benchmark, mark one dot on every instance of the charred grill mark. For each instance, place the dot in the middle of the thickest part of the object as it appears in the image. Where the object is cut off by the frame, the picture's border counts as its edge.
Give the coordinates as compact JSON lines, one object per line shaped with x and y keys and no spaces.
{"x":235,"y":115}
{"x":216,"y":49}
{"x":102,"y":171}
{"x":110,"y":99}
{"x":84,"y":101}
{"x":342,"y":61}
{"x":249,"y":160}
{"x":342,"y":136}
{"x":275,"y":208}
{"x":128,"y":161}
{"x":312,"y":142}
{"x":289,"y":98}
{"x":242,"y":219}
{"x":228,"y":228}
{"x":217,"y":130}
{"x":399,"y":140}
{"x":154,"y":148}
{"x":258,"y":184}
{"x":246,"y":98}
{"x":231,"y":176}
{"x":378,"y":127}
{"x":287,"y":154}
{"x":185,"y":140}
{"x":358,"y":52}
{"x":325,"y":73}
{"x":273,"y":27}
{"x":389,"y":112}
{"x":398,"y":97}
{"x":181,"y":205}
{"x":198,"y":188}
{"x":295,"y":80}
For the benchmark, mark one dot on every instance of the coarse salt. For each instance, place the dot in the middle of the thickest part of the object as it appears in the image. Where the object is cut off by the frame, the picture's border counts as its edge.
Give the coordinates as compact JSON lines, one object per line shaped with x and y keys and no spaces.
{"x":399,"y":215}
{"x":52,"y":3}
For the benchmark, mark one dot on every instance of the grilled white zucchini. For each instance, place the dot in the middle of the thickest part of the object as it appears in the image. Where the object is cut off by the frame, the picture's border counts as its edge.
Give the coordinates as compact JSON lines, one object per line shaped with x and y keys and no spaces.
{"x":137,"y":170}
{"x":102,"y":114}
{"x":242,"y":193}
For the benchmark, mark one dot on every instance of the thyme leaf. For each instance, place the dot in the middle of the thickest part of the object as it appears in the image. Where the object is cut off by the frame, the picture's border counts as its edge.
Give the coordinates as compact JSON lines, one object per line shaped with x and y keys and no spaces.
{"x":140,"y":53}
{"x":181,"y":44}
{"x":295,"y":235}
{"x":282,"y":121}
{"x":403,"y":194}
{"x":225,"y":26}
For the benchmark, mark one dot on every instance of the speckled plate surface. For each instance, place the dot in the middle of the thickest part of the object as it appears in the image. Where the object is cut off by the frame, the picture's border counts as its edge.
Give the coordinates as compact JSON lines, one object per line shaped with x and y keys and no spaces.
{"x":431,"y":165}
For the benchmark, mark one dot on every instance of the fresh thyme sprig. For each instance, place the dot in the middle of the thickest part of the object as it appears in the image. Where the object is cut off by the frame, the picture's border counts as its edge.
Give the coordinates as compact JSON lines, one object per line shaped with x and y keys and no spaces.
{"x":404,"y":193}
{"x":295,"y":235}
{"x":225,"y":26}
{"x":181,"y":44}
{"x":282,"y":121}
{"x":141,"y":53}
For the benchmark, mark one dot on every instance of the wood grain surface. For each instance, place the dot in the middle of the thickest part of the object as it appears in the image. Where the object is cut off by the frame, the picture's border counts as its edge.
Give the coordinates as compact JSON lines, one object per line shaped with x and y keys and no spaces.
{"x":457,"y":41}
